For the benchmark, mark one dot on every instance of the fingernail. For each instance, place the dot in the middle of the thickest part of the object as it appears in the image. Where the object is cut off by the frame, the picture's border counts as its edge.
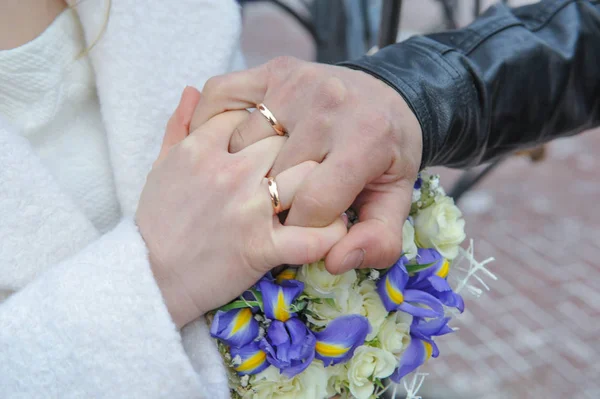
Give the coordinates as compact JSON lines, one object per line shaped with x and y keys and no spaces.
{"x":345,"y":218}
{"x":353,"y":260}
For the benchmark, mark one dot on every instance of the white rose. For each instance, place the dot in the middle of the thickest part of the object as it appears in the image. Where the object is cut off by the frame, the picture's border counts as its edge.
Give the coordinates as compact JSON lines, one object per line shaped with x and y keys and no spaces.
{"x":318,"y":282}
{"x":336,"y":379}
{"x":344,"y":302}
{"x":270,"y":383}
{"x":368,"y":363}
{"x":394,"y":334}
{"x":440,"y":226}
{"x":372,"y":307}
{"x":408,"y":240}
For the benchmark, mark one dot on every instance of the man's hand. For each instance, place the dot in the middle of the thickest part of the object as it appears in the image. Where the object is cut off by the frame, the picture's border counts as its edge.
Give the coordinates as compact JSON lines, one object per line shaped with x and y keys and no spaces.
{"x":360,"y":130}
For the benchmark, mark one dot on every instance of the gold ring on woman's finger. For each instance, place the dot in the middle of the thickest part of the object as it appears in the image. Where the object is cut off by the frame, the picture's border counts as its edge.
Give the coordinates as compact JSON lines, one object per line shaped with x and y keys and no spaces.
{"x":274,"y":193}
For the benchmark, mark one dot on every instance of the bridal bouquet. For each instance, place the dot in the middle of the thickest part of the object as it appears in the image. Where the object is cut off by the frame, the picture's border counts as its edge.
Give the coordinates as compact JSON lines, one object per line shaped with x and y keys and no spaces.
{"x":304,"y":333}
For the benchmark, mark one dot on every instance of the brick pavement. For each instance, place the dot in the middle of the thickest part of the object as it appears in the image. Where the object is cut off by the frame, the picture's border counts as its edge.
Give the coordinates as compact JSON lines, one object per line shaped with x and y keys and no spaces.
{"x":537,"y":333}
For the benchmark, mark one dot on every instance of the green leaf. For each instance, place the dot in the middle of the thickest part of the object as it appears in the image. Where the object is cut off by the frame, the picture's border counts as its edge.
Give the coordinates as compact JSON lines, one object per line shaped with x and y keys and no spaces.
{"x":239,"y":304}
{"x":257,"y":294}
{"x":259,"y":298}
{"x":312,"y":314}
{"x":412,"y":269}
{"x":298,"y":306}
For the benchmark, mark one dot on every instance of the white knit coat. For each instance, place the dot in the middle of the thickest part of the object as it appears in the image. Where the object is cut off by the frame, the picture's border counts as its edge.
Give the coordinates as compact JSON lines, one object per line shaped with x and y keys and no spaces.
{"x":80,"y":313}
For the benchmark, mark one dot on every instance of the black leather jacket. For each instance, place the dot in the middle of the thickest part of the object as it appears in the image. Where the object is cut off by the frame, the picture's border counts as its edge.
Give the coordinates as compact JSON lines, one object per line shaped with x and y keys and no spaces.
{"x":513,"y":78}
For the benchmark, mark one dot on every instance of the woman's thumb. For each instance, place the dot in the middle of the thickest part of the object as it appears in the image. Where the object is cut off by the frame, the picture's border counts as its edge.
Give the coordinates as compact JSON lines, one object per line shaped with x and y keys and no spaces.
{"x":178,"y":127}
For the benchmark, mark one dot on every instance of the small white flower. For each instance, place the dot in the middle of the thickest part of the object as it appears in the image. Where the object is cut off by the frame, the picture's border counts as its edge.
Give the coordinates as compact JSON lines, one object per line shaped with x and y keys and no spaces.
{"x":434,"y":182}
{"x":416,"y":195}
{"x":368,"y":363}
{"x":258,"y":317}
{"x":237,"y":360}
{"x":408,"y":240}
{"x":374,"y":274}
{"x":261,"y":333}
{"x":244,"y":380}
{"x":319,"y":283}
{"x":440,"y":226}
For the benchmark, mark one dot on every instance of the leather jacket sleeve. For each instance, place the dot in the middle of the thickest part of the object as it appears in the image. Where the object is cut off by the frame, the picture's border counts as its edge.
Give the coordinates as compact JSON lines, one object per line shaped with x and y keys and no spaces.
{"x":513,"y":78}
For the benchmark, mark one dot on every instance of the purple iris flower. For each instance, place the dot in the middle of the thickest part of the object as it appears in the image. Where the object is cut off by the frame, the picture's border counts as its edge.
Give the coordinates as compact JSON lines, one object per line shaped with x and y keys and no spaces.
{"x":235,"y":327}
{"x":278,"y":298}
{"x":416,"y":354}
{"x":337,"y":342}
{"x":433,"y":280}
{"x":396,"y":295}
{"x":418,"y":183}
{"x":439,"y":265}
{"x":425,"y":329}
{"x":289,"y":346}
{"x":421,"y":346}
{"x":248,"y":295}
{"x":251,"y":359}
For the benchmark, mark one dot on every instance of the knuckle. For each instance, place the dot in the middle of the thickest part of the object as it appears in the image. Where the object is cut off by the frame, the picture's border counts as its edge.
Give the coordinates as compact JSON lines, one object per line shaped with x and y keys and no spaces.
{"x":233,"y":172}
{"x":281,"y":63}
{"x":322,"y":121}
{"x":313,"y":248}
{"x":214,"y":85}
{"x":390,"y":254}
{"x":188,"y":152}
{"x":307,"y":74}
{"x":332,"y":93}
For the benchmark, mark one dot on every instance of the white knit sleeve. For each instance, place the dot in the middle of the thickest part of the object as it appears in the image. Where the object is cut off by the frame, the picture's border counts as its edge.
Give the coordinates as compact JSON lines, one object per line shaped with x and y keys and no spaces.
{"x":87,"y":318}
{"x":96,"y":326}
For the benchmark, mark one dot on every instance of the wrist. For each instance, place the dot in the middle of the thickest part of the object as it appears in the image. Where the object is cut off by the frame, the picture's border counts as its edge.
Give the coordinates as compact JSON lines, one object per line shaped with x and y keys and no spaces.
{"x":180,"y":305}
{"x":405,"y":126}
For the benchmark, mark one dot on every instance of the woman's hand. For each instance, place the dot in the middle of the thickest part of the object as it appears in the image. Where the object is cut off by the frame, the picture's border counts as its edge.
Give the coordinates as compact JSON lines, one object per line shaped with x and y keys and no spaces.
{"x":207,"y":218}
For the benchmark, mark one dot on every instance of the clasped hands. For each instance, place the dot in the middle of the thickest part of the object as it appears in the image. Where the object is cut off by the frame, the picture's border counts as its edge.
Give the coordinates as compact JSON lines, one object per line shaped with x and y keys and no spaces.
{"x":207,"y":212}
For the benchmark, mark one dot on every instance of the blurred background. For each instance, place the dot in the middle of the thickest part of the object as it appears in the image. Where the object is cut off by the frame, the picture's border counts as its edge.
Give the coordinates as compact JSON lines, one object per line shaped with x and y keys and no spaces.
{"x":536,"y":334}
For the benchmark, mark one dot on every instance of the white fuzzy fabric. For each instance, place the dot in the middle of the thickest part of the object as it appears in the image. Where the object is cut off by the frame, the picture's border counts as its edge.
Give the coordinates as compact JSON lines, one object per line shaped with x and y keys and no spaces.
{"x":145,"y":58}
{"x":48,"y":93}
{"x":94,"y":326}
{"x":84,"y":317}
